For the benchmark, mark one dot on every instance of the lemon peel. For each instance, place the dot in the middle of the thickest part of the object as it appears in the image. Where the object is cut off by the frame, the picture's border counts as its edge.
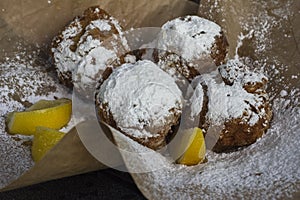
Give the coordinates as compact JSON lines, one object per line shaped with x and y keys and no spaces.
{"x":195,"y":149}
{"x":53,"y":114}
{"x":44,"y":139}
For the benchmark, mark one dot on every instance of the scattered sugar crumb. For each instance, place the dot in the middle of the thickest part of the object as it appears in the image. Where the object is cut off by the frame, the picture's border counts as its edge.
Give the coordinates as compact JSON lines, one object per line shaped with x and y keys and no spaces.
{"x":23,"y":84}
{"x":283,"y":93}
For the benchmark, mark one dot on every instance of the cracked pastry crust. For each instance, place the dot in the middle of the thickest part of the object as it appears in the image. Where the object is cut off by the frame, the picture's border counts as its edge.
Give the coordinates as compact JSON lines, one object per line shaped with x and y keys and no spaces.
{"x":238,"y":102}
{"x":140,"y":100}
{"x":196,"y":39}
{"x":81,"y":51}
{"x":179,"y":72}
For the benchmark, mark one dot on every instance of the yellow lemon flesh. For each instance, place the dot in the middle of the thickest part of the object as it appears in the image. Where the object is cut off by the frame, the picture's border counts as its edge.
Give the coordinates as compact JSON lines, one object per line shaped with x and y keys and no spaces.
{"x":44,"y":139}
{"x":195,"y":149}
{"x":53,"y":114}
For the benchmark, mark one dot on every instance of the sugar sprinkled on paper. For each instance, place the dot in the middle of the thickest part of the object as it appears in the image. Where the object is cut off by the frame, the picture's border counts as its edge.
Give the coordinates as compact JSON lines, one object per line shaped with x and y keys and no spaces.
{"x":267,"y":169}
{"x":22,"y":84}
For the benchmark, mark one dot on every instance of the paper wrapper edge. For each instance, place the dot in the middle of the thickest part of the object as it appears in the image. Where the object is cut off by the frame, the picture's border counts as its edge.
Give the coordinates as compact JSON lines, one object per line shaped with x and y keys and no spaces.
{"x":230,"y":23}
{"x":37,"y":22}
{"x":69,"y":157}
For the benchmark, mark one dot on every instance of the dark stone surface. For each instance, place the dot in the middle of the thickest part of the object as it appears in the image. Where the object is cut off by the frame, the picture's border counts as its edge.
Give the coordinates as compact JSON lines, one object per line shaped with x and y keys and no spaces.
{"x":104,"y":184}
{"x":196,"y":1}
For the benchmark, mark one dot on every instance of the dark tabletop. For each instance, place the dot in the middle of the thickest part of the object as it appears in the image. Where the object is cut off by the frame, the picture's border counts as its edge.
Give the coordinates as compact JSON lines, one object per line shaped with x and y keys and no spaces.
{"x":104,"y":184}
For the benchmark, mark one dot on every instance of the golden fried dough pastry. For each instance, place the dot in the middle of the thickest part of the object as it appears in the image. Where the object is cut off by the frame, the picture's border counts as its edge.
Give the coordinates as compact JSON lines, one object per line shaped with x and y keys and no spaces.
{"x":80,"y":53}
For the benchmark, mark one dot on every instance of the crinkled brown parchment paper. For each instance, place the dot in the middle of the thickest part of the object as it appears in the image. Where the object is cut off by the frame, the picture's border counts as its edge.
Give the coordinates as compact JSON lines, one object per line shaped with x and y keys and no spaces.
{"x":31,"y":24}
{"x":267,"y":33}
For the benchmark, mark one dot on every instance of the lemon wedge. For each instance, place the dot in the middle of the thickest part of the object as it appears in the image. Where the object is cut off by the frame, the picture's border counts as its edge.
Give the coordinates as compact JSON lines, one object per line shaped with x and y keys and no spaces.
{"x":53,"y":114}
{"x":44,"y":139}
{"x":194,"y":148}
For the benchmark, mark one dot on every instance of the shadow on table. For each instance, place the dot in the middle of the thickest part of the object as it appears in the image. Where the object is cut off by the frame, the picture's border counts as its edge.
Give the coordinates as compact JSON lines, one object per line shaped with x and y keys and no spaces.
{"x":104,"y":184}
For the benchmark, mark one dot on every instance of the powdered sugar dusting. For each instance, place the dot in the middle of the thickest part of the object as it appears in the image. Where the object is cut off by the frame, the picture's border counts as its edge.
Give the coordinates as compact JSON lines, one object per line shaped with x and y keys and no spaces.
{"x":236,"y":72}
{"x":89,"y":58}
{"x":15,"y":158}
{"x":102,"y":25}
{"x":226,"y":102}
{"x":22,"y":84}
{"x":231,"y":102}
{"x":269,"y":168}
{"x":249,"y":173}
{"x":91,"y":67}
{"x":191,"y":36}
{"x":93,"y":55}
{"x":197,"y":101}
{"x":144,"y":99}
{"x":66,"y":59}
